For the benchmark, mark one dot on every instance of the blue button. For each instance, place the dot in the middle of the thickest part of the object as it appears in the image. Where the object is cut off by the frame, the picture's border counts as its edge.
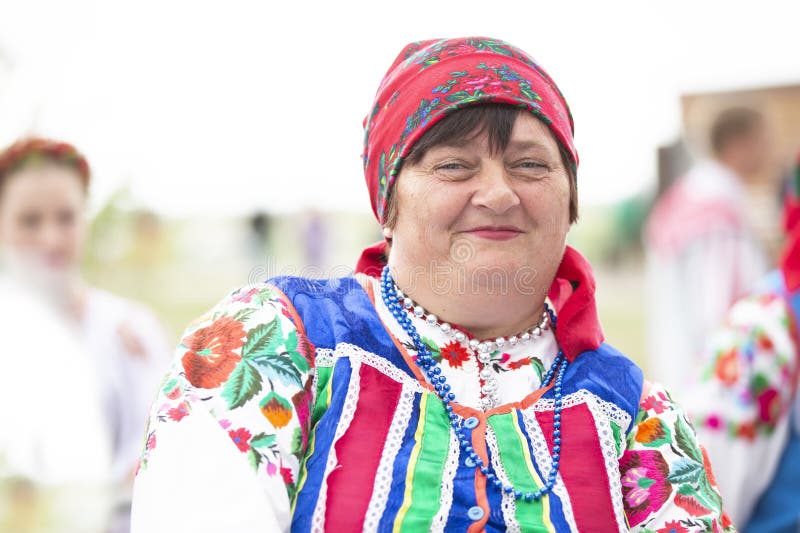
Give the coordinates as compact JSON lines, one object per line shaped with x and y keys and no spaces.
{"x":475,"y":513}
{"x":471,"y":423}
{"x":469,"y":462}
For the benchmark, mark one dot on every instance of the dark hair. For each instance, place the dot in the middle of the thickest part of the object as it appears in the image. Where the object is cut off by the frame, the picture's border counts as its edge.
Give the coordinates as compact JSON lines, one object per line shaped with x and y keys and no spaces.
{"x":34,"y":150}
{"x":733,"y":124}
{"x":497,"y":122}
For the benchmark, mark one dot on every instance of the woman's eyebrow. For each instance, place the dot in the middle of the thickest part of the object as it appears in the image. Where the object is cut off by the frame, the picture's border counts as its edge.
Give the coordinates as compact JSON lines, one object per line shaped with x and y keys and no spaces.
{"x":527,"y":145}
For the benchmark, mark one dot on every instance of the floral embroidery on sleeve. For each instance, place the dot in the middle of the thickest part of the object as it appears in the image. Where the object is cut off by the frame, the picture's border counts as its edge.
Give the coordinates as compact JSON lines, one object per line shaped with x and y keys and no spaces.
{"x":748,"y":382}
{"x":250,"y":367}
{"x":667,"y":483}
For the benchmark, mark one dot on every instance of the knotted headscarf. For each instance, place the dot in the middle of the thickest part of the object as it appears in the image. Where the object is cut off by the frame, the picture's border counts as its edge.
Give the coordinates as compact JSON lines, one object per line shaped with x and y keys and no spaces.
{"x":430,"y":79}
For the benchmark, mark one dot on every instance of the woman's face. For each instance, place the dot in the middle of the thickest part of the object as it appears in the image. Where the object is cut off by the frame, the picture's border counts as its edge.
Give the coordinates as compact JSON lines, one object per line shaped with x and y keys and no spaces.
{"x":494,"y":219}
{"x":41,"y":218}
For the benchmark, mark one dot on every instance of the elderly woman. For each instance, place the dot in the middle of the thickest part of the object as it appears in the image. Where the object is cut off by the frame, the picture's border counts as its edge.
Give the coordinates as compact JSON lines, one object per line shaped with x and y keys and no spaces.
{"x":459,"y":381}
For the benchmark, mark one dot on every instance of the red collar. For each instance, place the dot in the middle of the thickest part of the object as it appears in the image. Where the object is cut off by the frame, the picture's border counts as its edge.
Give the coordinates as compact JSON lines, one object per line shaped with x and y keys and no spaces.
{"x":572,"y":294}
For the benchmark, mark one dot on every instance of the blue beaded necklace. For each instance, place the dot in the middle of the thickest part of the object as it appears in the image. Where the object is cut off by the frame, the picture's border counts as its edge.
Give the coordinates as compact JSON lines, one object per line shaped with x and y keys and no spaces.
{"x":431,"y":368}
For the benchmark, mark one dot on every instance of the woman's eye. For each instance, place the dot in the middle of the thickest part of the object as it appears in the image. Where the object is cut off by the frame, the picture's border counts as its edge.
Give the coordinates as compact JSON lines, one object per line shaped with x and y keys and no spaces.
{"x":530,"y":169}
{"x":30,"y":221}
{"x":450,"y":166}
{"x":533,"y":165}
{"x":454,"y":170}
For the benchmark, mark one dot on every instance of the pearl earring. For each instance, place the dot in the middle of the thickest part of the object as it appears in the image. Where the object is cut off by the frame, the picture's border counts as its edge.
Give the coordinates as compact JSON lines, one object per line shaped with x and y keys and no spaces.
{"x":387,"y":234}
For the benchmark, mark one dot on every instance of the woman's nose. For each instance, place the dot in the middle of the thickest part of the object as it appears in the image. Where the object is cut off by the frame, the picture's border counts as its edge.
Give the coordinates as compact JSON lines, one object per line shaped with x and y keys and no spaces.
{"x":494,"y":189}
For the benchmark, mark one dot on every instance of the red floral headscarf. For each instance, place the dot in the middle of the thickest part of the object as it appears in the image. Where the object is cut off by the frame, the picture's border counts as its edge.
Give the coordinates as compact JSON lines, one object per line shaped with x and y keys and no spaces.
{"x":430,"y":79}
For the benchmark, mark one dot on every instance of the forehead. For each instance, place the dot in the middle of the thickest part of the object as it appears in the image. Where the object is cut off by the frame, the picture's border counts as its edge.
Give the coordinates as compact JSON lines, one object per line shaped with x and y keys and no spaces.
{"x":527,"y":132}
{"x":40,"y":185}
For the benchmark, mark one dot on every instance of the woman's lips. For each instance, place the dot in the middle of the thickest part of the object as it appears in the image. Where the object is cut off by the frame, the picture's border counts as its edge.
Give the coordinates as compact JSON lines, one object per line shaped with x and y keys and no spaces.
{"x":500,"y":233}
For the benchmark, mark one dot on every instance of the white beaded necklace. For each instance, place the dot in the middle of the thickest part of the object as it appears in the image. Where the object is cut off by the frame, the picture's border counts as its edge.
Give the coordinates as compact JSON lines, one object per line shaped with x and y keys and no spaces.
{"x":483,"y":348}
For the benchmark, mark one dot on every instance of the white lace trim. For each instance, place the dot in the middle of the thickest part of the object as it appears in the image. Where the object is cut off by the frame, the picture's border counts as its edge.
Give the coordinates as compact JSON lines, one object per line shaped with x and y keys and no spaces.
{"x":509,"y":504}
{"x":609,"y":449}
{"x":324,"y":357}
{"x":348,"y":410}
{"x":448,"y":477}
{"x":609,"y":410}
{"x":383,"y":477}
{"x":541,"y":454}
{"x":382,"y":365}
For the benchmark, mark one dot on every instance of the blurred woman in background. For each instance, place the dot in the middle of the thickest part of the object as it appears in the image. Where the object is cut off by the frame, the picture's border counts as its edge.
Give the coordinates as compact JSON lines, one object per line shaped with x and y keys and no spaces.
{"x":746,"y":405}
{"x":43,"y":189}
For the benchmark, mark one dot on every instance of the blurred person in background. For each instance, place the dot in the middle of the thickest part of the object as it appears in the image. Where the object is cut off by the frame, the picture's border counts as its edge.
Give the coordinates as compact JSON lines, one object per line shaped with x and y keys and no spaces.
{"x":745,"y":404}
{"x":702,"y":250}
{"x":43,"y":190}
{"x":55,"y":444}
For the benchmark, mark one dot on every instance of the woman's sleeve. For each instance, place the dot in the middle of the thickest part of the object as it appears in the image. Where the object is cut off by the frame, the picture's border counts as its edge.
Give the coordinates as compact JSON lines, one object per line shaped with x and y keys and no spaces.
{"x":667,"y":483}
{"x":229,"y":429}
{"x":741,"y":403}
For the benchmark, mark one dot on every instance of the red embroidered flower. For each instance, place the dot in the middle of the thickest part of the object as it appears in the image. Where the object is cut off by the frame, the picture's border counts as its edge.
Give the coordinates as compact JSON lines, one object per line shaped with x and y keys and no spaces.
{"x":455,"y":354}
{"x":286,"y":473}
{"x":245,"y":296}
{"x":691,"y":505}
{"x":174,"y":393}
{"x":747,"y":431}
{"x":728,"y":367}
{"x":651,"y":403}
{"x":241,"y":437}
{"x":513,"y":365}
{"x":769,"y":406}
{"x":765,"y":343}
{"x":177,"y":413}
{"x":151,"y":441}
{"x":672,"y":527}
{"x":707,"y":467}
{"x":211,"y":354}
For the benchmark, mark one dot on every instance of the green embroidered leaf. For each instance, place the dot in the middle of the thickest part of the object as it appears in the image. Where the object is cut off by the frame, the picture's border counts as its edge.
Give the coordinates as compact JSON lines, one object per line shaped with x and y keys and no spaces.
{"x":645,"y":482}
{"x":262,"y":340}
{"x":709,"y":493}
{"x":538,"y":366}
{"x":459,"y":73}
{"x":617,"y":431}
{"x":254,"y":458}
{"x":243,"y":315}
{"x":169,"y":386}
{"x":458,"y":96}
{"x":278,"y":367}
{"x":297,"y":442}
{"x":243,"y":383}
{"x":685,"y":439}
{"x":685,"y":471}
{"x":297,"y":358}
{"x":435,"y":352}
{"x":262,"y":440}
{"x":525,"y":89}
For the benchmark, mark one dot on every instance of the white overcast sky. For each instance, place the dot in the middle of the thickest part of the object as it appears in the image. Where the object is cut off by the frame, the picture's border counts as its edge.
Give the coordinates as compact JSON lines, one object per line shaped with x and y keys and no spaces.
{"x":225,"y":107}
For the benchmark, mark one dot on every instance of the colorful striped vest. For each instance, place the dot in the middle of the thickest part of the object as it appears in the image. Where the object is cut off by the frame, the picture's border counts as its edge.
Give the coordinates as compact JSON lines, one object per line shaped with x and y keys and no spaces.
{"x":383,"y":456}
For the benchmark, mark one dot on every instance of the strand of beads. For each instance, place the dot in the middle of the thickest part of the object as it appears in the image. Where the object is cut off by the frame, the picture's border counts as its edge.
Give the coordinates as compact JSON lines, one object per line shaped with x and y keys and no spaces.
{"x":483,"y":349}
{"x":461,"y":427}
{"x":476,"y":345}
